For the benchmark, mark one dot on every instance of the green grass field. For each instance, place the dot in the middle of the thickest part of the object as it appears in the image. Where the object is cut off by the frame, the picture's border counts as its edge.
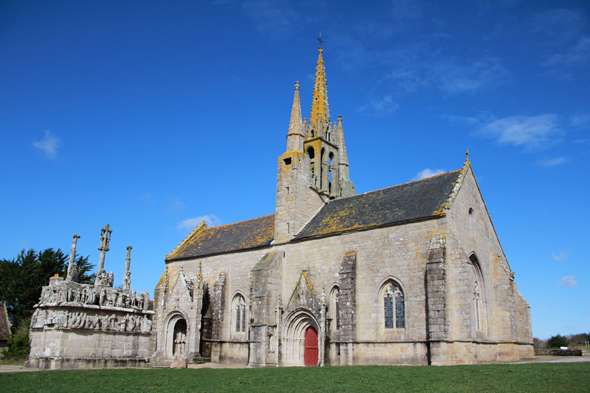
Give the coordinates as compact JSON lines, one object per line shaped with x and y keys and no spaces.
{"x":561,"y":377}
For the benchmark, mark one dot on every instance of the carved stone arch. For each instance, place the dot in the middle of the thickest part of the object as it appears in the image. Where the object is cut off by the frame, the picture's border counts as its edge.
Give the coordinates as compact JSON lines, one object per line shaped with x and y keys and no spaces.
{"x":479,"y":298}
{"x":295,"y":325}
{"x":172,"y":340}
{"x":392,"y":296}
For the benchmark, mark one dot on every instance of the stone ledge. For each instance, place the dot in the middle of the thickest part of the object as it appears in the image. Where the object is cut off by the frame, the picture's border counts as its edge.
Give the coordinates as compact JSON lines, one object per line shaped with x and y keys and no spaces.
{"x":55,"y":363}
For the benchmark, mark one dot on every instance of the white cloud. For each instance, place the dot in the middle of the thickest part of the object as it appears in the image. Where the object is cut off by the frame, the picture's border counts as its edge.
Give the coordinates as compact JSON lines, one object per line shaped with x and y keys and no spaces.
{"x":381,"y":107}
{"x":192,"y":223}
{"x":553,"y":161}
{"x":568,"y":282}
{"x":428,"y":173}
{"x":570,"y":327}
{"x":562,"y":257}
{"x":48,"y":145}
{"x":531,"y":132}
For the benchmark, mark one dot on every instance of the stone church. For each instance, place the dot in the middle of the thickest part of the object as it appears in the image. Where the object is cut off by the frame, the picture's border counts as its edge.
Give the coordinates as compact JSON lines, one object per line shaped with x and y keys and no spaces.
{"x":412,"y":274}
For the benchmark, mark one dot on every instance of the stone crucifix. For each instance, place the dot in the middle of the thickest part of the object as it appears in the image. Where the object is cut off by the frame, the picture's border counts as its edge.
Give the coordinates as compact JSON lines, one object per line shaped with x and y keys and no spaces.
{"x":105,"y":238}
{"x":71,"y":267}
{"x":127,"y":276}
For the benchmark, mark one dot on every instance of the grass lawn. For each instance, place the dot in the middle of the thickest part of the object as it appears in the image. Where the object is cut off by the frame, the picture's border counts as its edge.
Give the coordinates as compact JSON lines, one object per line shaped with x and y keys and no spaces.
{"x":557,"y":377}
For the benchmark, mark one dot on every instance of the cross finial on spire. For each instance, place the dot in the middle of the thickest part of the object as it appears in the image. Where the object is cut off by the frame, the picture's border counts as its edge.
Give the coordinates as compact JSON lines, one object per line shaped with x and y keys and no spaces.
{"x":320,"y":40}
{"x":467,"y":155}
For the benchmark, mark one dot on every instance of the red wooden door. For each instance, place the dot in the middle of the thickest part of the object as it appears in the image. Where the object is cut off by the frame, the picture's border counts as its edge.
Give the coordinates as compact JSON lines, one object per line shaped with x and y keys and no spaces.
{"x":311,"y":347}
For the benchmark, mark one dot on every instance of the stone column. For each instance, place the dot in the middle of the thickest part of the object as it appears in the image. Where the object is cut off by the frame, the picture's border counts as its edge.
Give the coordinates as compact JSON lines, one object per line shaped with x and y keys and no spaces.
{"x":436,"y":297}
{"x":105,"y":238}
{"x":127,"y":276}
{"x":71,"y":267}
{"x":322,"y":336}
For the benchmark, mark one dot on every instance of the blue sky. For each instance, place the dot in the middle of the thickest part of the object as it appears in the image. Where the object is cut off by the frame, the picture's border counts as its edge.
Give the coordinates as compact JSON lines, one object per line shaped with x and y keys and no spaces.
{"x":152,"y":116}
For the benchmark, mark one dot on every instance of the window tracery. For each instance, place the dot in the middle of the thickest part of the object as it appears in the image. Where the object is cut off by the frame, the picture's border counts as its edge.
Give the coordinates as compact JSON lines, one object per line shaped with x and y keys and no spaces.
{"x":393,"y":306}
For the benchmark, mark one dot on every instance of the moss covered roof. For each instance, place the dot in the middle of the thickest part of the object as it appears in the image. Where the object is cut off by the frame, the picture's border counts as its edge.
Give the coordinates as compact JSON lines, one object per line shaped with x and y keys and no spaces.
{"x":405,"y":202}
{"x":242,"y":235}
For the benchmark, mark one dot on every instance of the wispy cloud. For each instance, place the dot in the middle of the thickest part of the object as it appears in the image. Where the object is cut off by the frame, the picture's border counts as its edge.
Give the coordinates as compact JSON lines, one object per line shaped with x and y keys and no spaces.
{"x":192,"y":223}
{"x":380,"y":107}
{"x":568,"y":282}
{"x":570,"y":327}
{"x":551,"y":162}
{"x":561,"y":257}
{"x":449,"y":74}
{"x":175,"y":205}
{"x":557,"y":26}
{"x":530,"y":132}
{"x":580,"y":120}
{"x":274,"y":17}
{"x":48,"y":145}
{"x":575,"y":56}
{"x":427,"y":172}
{"x":146,"y":197}
{"x":464,"y":120}
{"x":406,"y":10}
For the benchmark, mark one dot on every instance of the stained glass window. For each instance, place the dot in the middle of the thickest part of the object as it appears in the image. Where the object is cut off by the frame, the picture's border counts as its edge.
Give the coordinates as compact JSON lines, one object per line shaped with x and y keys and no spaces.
{"x":393,"y":304}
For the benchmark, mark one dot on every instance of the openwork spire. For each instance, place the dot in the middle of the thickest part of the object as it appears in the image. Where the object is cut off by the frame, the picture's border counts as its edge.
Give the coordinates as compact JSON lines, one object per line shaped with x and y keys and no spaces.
{"x":319,"y":107}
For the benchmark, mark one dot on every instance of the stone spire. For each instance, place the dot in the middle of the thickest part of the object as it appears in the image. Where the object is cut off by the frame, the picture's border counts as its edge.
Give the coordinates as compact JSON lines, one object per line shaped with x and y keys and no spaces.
{"x":296,"y":134}
{"x":320,"y":113}
{"x":343,"y":162}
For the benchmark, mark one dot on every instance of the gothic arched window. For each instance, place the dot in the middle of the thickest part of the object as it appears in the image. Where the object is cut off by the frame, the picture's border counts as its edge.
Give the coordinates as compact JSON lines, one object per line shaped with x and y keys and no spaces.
{"x":478,"y":295}
{"x":394,"y":313}
{"x":239,"y":310}
{"x":335,"y":308}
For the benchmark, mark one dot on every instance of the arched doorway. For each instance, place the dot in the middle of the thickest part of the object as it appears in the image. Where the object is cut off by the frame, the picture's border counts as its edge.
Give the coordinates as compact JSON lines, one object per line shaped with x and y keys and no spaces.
{"x":179,"y":345}
{"x":301,"y":339}
{"x":311,"y":347}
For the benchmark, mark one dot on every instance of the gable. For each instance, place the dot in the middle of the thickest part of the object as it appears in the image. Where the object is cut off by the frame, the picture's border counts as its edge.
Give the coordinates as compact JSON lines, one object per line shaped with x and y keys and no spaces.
{"x":257,"y":232}
{"x":406,"y":202}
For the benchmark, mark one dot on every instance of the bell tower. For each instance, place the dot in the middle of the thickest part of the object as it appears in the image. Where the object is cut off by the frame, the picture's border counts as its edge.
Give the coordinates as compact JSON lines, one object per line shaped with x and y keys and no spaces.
{"x":314,"y":169}
{"x":324,"y":142}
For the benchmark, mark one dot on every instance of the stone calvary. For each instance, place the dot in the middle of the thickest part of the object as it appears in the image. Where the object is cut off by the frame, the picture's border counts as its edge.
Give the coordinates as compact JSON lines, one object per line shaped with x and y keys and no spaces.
{"x":91,"y":325}
{"x":412,"y":274}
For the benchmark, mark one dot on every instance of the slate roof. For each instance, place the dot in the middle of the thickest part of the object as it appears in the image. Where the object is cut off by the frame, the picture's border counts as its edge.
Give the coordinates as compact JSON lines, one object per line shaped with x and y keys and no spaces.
{"x":242,"y":235}
{"x":405,"y":202}
{"x":4,"y":326}
{"x":412,"y":201}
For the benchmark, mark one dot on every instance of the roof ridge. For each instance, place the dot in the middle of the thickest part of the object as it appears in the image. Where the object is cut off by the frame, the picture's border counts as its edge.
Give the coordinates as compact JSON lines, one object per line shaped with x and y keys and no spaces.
{"x":397,"y":185}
